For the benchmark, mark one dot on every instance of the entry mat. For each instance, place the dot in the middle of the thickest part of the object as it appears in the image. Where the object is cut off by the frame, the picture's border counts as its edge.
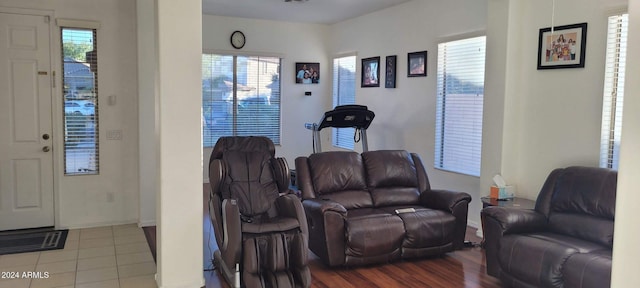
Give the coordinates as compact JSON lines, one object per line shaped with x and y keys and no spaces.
{"x":31,"y":240}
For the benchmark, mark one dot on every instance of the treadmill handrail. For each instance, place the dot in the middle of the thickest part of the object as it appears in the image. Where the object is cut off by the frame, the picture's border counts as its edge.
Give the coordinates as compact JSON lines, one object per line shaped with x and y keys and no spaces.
{"x":344,"y":116}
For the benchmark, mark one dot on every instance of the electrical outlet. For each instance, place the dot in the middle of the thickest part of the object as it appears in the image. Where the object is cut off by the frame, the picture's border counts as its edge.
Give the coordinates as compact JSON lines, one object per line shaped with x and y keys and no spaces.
{"x":114,"y":134}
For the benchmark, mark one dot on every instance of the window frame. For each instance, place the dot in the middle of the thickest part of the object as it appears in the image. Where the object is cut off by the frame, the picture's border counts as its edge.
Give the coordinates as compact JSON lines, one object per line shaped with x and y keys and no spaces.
{"x":336,"y":132}
{"x":260,"y":67}
{"x":440,"y":122}
{"x":78,"y":25}
{"x":613,"y":90}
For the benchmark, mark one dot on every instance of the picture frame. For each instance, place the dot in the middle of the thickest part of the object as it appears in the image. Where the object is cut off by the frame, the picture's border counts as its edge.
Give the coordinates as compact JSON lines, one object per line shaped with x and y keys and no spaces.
{"x":390,"y":72}
{"x":307,"y":73}
{"x":370,"y":72}
{"x":565,"y":48}
{"x":417,"y":64}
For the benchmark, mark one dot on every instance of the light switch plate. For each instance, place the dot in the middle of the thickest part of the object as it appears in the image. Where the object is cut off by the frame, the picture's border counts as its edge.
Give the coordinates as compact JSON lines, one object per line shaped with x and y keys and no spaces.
{"x":114,"y":134}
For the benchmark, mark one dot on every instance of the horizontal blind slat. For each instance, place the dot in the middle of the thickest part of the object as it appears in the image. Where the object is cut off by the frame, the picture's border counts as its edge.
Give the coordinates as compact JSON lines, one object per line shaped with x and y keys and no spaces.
{"x":460,"y":97}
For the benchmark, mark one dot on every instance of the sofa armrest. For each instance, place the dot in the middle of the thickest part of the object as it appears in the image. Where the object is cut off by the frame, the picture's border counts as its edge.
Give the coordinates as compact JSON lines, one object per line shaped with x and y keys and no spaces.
{"x":499,"y":221}
{"x":321,"y":206}
{"x":513,"y":220}
{"x":456,"y":203}
{"x":443,"y":199}
{"x":326,"y":230}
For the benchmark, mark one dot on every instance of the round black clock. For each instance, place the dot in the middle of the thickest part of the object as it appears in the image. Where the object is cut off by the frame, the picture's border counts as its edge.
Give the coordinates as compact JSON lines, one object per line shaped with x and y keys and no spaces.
{"x":237,"y":39}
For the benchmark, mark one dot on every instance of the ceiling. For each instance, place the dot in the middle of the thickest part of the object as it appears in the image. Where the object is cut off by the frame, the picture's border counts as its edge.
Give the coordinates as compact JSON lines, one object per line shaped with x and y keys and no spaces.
{"x":312,"y":11}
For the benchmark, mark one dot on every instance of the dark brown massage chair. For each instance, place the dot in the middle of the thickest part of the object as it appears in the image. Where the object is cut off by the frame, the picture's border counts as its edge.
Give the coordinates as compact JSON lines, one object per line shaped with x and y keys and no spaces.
{"x":260,"y":225}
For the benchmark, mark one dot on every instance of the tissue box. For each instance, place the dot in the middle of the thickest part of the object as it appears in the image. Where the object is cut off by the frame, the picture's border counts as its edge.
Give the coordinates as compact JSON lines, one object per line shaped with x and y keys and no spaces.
{"x":505,"y":192}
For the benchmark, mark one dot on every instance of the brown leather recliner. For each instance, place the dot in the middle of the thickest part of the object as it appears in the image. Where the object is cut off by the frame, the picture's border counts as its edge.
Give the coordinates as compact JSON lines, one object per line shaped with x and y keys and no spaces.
{"x":377,"y":207}
{"x":566,"y":241}
{"x":260,"y":226}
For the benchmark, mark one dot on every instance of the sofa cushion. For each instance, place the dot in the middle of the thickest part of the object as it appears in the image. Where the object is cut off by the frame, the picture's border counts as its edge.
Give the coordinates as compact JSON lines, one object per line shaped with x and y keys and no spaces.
{"x":350,"y":199}
{"x":586,"y":190}
{"x":583,"y":226}
{"x":339,"y":176}
{"x":534,"y":260}
{"x":425,"y":227}
{"x":583,"y":204}
{"x":371,"y":232}
{"x":588,"y":270}
{"x":583,"y":246}
{"x":391,"y":177}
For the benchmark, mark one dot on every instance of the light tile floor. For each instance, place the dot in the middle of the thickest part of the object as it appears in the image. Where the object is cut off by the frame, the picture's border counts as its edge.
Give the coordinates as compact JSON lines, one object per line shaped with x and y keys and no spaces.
{"x":103,"y":257}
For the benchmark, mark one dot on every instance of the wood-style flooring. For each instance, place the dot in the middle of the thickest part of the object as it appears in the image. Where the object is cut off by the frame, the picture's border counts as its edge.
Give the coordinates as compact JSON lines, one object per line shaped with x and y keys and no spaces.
{"x":463,"y":268}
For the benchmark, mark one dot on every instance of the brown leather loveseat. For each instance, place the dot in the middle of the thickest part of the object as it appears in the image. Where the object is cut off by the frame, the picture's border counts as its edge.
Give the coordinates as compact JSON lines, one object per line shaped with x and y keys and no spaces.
{"x":566,"y":241}
{"x":377,"y":207}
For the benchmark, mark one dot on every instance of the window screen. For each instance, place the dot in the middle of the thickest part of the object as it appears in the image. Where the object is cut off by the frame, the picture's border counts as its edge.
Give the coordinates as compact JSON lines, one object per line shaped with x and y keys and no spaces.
{"x":613,"y":90}
{"x":80,"y":90}
{"x":460,"y":93}
{"x":344,"y":93}
{"x":240,"y":97}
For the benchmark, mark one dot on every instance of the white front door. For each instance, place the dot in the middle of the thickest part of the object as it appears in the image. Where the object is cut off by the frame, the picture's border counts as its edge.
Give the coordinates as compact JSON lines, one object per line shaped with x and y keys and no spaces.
{"x":26,"y":164}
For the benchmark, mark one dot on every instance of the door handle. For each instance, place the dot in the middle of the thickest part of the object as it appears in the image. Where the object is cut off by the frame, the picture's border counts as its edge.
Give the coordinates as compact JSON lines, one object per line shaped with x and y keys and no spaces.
{"x":46,"y":149}
{"x":45,"y":136}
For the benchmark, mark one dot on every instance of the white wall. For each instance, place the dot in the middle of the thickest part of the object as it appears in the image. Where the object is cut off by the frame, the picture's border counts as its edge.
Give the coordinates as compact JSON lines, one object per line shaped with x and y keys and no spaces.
{"x":405,"y":116}
{"x":295,"y":42}
{"x":112,"y":196}
{"x":552,"y":117}
{"x":148,"y":118}
{"x":179,"y":205}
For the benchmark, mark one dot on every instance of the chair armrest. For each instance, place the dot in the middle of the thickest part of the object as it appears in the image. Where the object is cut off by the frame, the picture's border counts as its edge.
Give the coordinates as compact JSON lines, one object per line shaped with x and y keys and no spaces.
{"x":443,"y":199}
{"x":290,"y":206}
{"x":326,"y":230}
{"x":225,"y":216}
{"x":513,"y":220}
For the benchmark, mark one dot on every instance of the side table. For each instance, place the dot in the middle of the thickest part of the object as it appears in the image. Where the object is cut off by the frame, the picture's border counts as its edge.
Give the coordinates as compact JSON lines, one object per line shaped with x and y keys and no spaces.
{"x":520,"y":203}
{"x":516,"y":202}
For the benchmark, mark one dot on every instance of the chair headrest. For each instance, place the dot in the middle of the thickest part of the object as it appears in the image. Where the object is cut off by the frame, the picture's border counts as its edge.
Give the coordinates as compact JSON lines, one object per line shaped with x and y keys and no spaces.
{"x":242,"y":144}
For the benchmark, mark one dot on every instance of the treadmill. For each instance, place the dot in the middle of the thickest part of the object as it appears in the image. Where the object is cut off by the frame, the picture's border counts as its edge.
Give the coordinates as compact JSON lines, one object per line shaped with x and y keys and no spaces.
{"x":344,"y":116}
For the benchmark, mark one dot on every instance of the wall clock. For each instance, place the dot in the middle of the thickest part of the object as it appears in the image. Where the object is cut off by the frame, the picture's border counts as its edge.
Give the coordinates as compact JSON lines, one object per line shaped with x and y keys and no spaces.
{"x":237,"y":39}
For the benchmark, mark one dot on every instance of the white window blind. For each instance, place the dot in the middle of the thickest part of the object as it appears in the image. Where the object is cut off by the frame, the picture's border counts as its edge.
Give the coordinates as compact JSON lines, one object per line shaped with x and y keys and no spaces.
{"x":616,"y":57}
{"x":240,"y":97}
{"x":460,"y":93}
{"x":80,"y":90}
{"x":344,"y":93}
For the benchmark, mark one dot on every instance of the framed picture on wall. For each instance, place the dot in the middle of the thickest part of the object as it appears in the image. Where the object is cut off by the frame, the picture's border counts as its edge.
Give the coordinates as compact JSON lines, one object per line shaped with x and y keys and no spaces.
{"x":564,"y":47}
{"x":371,"y":72}
{"x":390,"y":72}
{"x":307,"y":73}
{"x":417,"y":64}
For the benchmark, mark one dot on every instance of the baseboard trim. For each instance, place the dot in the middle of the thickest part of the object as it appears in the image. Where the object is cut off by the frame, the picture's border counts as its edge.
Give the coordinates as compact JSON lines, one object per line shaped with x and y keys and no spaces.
{"x":473,"y":224}
{"x":98,"y":224}
{"x":185,"y":285}
{"x":478,"y":227}
{"x":146,"y":223}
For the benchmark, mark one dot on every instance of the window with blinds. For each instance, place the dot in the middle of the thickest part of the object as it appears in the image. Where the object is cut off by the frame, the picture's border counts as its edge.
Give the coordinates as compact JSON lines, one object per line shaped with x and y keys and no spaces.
{"x":460,"y":93}
{"x":344,"y":93}
{"x":80,"y":94}
{"x":616,"y":57}
{"x":240,"y":97}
